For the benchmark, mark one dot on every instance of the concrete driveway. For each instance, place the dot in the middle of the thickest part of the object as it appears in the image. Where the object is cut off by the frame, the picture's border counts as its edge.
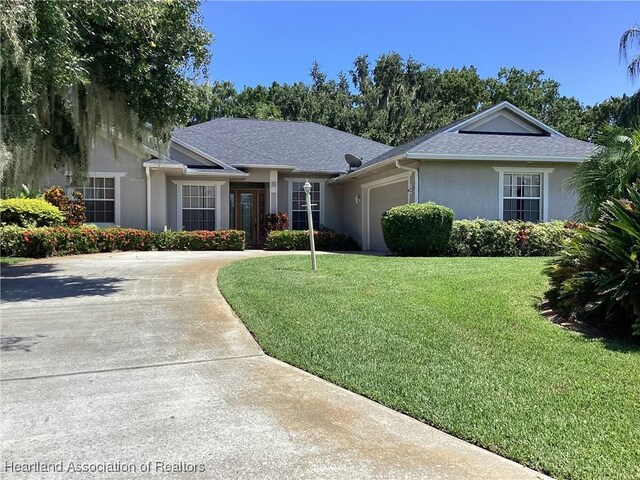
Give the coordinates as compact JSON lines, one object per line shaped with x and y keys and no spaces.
{"x":131,"y":365}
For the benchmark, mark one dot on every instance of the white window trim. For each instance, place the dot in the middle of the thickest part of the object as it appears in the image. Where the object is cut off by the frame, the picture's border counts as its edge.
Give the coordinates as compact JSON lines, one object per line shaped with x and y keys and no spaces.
{"x":366,"y":195}
{"x":198,"y":183}
{"x":544,"y":186}
{"x":117,"y":203}
{"x":322,"y":182}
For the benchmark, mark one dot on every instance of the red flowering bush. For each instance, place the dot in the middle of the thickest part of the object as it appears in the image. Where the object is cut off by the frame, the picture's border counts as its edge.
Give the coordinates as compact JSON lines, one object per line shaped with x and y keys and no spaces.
{"x":276,"y":221}
{"x":48,"y":241}
{"x":201,"y":240}
{"x":124,"y":239}
{"x":299,"y":240}
{"x":53,"y":241}
{"x":74,"y":211}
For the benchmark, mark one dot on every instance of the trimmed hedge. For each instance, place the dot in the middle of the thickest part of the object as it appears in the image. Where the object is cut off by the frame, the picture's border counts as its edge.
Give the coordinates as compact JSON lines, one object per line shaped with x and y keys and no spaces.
{"x":201,"y":240}
{"x":495,"y":238}
{"x":299,"y":240}
{"x":53,"y":241}
{"x":29,"y":212}
{"x":417,"y":229}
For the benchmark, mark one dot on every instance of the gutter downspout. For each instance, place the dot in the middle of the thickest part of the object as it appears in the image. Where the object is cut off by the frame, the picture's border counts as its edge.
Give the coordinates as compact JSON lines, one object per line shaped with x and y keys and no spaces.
{"x":148,"y":198}
{"x":416,"y":185}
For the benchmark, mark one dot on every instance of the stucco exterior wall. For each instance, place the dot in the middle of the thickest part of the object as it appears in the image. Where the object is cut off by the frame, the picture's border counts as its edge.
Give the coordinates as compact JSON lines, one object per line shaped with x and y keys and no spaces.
{"x":562,"y":204}
{"x":471,"y":188}
{"x":132,"y":194}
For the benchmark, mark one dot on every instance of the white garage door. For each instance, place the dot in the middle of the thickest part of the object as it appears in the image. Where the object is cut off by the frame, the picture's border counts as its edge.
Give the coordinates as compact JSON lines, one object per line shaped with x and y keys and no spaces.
{"x":380,"y":200}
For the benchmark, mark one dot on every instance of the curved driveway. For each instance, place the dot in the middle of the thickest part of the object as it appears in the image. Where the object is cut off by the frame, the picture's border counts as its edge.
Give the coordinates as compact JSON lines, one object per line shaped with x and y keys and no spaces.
{"x":132,"y":365}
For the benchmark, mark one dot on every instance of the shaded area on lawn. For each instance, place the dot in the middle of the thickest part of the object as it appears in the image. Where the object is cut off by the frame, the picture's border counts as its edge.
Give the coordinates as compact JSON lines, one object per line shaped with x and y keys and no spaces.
{"x":456,"y":343}
{"x":39,"y":281}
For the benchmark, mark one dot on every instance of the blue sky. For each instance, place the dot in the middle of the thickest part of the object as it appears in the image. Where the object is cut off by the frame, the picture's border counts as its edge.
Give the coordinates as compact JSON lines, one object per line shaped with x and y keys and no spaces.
{"x":575,"y":43}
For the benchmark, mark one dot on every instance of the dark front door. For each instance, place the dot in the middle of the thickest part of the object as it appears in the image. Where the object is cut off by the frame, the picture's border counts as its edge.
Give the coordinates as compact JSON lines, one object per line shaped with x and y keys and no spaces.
{"x":246,"y":212}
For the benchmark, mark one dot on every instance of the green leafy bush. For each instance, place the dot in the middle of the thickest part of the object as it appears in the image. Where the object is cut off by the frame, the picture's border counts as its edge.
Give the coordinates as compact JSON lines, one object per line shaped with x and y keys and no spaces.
{"x":74,"y":211}
{"x":597,"y":278}
{"x":417,"y":229}
{"x":29,"y":212}
{"x":494,"y":238}
{"x":51,"y":241}
{"x":299,"y":240}
{"x":201,"y":240}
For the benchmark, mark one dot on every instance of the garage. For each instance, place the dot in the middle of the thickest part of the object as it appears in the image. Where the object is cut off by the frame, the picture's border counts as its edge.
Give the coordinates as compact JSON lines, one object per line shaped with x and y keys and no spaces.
{"x":381,"y":199}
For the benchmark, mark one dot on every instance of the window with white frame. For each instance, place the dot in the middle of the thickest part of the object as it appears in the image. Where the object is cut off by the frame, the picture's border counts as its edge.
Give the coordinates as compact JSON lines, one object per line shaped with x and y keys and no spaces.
{"x":299,"y":219}
{"x":522,"y":196}
{"x":100,"y":199}
{"x":198,"y":207}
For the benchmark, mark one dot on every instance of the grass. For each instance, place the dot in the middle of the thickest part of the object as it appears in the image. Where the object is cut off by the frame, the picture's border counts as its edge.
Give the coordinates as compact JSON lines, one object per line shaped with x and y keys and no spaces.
{"x":457,"y":343}
{"x":13,"y":260}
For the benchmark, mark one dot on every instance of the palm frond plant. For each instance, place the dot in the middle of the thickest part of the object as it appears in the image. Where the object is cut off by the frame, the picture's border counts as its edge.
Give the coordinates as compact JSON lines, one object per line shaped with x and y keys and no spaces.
{"x":630,"y":39}
{"x":597,"y":278}
{"x":607,"y":173}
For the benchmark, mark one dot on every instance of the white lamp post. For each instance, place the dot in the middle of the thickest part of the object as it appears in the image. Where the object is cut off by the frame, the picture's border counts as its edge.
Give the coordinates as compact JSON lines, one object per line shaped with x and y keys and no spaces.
{"x":307,"y":192}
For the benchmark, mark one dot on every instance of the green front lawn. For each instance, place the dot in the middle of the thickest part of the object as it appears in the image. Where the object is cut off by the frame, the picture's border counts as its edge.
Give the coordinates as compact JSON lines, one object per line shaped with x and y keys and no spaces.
{"x":456,"y":343}
{"x":13,"y":260}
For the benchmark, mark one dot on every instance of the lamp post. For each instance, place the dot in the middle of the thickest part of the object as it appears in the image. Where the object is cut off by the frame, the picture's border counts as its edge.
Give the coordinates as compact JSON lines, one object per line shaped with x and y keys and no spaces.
{"x":307,"y":192}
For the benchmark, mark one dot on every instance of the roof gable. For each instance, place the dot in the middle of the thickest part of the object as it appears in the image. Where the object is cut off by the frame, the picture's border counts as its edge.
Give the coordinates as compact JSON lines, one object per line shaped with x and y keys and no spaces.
{"x":504,"y":118}
{"x":503,"y":123}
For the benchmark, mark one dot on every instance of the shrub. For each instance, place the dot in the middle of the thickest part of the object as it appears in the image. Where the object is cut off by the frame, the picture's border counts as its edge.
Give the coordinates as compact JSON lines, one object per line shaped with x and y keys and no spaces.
{"x":299,"y":240}
{"x":123,"y":239}
{"x":48,"y":241}
{"x":494,"y":238}
{"x":74,"y":211}
{"x":201,"y":240}
{"x":29,"y":212}
{"x":276,"y":221}
{"x":597,"y":278}
{"x":52,"y":241}
{"x":417,"y":229}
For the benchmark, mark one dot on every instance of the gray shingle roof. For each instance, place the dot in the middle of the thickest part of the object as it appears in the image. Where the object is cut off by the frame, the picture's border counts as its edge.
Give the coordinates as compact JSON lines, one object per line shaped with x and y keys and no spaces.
{"x":451,"y":143}
{"x":304,"y":146}
{"x":442,"y":142}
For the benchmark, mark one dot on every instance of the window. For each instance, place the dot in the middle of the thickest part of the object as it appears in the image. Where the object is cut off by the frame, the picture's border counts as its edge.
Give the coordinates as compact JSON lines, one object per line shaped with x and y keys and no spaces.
{"x":100,"y":199}
{"x":299,"y":206}
{"x":198,"y":207}
{"x":521,"y":196}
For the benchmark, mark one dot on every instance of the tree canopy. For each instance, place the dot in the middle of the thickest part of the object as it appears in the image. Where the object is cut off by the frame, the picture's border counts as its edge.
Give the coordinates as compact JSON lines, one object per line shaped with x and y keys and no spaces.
{"x":395,"y":100}
{"x":73,"y":69}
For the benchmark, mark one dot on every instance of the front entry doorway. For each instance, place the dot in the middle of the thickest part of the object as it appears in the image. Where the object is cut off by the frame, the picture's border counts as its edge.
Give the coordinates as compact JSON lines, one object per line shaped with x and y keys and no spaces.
{"x":246,"y":212}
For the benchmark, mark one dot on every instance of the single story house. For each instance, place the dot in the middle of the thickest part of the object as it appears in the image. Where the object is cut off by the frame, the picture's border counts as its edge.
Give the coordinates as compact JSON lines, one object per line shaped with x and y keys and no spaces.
{"x":500,"y":163}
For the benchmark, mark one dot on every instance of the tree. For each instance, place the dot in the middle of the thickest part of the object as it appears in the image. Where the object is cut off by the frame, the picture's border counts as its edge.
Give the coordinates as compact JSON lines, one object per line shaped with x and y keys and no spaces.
{"x":395,"y":100}
{"x":72,"y":70}
{"x":631,"y":39}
